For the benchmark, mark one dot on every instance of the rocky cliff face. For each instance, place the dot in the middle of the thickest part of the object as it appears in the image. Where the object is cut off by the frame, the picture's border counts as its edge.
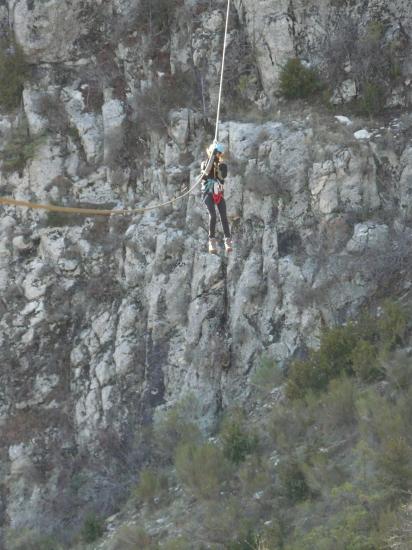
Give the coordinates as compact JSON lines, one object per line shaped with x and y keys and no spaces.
{"x":106,"y":322}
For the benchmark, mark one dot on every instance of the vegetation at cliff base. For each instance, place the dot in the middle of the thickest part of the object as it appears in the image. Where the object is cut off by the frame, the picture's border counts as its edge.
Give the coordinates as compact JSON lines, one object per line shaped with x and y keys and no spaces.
{"x":326,"y":463}
{"x":356,"y":349}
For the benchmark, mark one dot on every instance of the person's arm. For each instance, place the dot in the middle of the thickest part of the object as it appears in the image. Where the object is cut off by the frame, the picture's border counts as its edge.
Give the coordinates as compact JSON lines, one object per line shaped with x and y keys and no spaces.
{"x":203,"y":168}
{"x":207,"y":167}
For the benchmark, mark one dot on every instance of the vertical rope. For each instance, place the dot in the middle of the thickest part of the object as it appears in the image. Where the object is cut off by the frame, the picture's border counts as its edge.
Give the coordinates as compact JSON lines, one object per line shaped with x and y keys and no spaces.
{"x":222,"y":72}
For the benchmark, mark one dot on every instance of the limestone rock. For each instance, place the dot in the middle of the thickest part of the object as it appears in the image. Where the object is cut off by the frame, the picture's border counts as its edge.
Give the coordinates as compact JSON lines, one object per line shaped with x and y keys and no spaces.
{"x":107,"y":322}
{"x":41,"y":28}
{"x":113,"y":124}
{"x":88,"y":125}
{"x":368,"y":235}
{"x":346,"y":92}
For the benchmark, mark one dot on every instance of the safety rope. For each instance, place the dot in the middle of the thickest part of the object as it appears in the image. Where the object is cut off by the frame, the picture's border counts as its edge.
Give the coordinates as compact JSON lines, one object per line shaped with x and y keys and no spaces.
{"x":129,"y":212}
{"x":222,"y":72}
{"x":98,"y":211}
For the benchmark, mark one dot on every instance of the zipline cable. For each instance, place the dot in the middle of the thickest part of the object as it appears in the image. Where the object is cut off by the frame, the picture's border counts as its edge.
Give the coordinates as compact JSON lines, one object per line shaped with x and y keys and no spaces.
{"x":222,"y":72}
{"x":129,"y":212}
{"x":96,"y":211}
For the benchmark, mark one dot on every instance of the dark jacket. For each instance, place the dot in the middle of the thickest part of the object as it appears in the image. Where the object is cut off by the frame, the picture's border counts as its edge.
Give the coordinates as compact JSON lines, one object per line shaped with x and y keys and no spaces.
{"x":218,"y":172}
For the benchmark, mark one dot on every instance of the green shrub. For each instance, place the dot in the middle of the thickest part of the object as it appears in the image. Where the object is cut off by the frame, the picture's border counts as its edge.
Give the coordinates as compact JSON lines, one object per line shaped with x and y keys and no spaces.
{"x":335,"y":354}
{"x":338,"y":406}
{"x":375,"y":31}
{"x":267,"y":376}
{"x":26,"y":539}
{"x":392,"y":325}
{"x":365,"y":362}
{"x":14,"y":71}
{"x":386,"y":443}
{"x":273,"y":535}
{"x":176,"y":427}
{"x":398,"y":371}
{"x":236,"y":438}
{"x":247,"y":541}
{"x":367,"y":328}
{"x":203,"y":469}
{"x":399,"y":530}
{"x":347,"y":350}
{"x":19,"y":149}
{"x":293,"y":481}
{"x":322,"y":471}
{"x":305,"y":375}
{"x":133,"y":537}
{"x":306,"y":432}
{"x":228,"y":520}
{"x":395,"y":69}
{"x":289,"y":423}
{"x":394,"y":463}
{"x":152,"y":487}
{"x":180,"y":543}
{"x":373,"y":98}
{"x":386,"y":416}
{"x":351,"y":517}
{"x":298,"y":81}
{"x":347,"y":531}
{"x":93,"y":528}
{"x":333,"y":359}
{"x":254,"y":476}
{"x":378,"y":417}
{"x":331,"y":468}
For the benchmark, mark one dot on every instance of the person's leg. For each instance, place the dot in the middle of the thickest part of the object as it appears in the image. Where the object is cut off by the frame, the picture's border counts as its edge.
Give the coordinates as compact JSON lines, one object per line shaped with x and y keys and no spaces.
{"x":210,"y":205}
{"x":223,"y":218}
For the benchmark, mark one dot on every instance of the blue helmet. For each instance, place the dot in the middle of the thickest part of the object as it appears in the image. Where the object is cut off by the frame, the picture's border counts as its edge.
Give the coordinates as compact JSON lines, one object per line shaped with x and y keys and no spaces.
{"x":219,"y":148}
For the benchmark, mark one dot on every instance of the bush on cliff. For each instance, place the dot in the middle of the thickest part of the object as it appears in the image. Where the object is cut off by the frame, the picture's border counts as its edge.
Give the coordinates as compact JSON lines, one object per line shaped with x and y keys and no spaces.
{"x":332,"y":464}
{"x":14,"y":71}
{"x":298,"y":81}
{"x":354,"y":349}
{"x":20,"y":148}
{"x":27,"y":539}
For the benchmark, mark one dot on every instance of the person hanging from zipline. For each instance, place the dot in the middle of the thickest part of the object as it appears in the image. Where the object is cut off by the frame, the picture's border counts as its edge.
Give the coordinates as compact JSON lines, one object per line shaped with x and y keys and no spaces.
{"x":212,"y":195}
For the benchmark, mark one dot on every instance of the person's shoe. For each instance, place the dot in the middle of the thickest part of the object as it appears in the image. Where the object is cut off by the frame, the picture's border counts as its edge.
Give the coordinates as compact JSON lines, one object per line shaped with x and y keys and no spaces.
{"x":212,"y":246}
{"x":228,"y":245}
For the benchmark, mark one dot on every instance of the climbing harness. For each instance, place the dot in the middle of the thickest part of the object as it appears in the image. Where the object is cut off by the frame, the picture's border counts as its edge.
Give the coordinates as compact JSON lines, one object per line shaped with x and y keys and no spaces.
{"x":209,"y":185}
{"x":217,"y":193}
{"x":129,"y":212}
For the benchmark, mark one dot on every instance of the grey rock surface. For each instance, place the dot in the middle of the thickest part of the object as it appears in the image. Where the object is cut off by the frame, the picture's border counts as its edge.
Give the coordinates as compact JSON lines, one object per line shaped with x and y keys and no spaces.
{"x":106,"y":323}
